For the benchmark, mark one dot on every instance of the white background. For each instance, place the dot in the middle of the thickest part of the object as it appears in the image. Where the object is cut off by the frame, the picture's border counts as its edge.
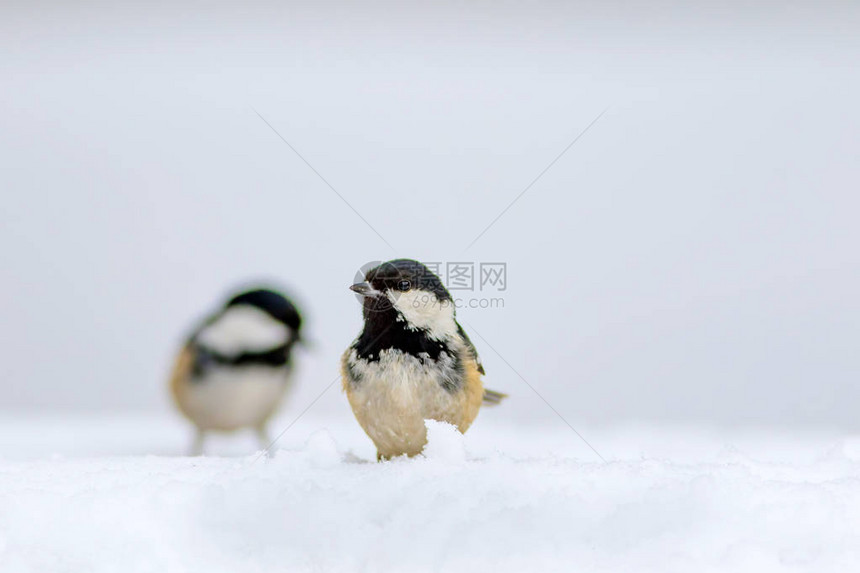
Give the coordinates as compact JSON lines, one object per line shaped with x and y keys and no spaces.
{"x":693,"y":258}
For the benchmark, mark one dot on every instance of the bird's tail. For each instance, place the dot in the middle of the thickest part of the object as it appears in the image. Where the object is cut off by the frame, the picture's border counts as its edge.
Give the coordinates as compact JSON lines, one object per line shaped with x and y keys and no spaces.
{"x":493,"y":398}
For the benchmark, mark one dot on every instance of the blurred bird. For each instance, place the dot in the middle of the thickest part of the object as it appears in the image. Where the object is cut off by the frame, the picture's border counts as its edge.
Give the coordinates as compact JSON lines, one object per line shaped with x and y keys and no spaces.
{"x":235,"y":368}
{"x":412,"y":361}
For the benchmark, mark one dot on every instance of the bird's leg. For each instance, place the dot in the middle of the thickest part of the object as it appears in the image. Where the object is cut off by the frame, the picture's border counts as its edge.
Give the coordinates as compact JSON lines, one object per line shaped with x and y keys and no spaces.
{"x":197,"y":444}
{"x":263,"y":438}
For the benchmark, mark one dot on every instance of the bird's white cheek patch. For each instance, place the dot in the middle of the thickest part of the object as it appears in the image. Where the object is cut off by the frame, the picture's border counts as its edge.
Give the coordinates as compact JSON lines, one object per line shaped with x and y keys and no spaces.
{"x":423,"y":310}
{"x":243,"y":328}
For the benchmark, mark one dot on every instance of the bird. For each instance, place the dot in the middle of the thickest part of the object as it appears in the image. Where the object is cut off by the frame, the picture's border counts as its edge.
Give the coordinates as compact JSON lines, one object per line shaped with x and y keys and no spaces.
{"x":412,"y":360}
{"x":234,"y":368}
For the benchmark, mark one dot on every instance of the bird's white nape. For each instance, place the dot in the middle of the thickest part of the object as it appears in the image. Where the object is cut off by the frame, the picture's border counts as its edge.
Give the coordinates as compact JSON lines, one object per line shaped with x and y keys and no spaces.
{"x":243,"y":328}
{"x":422,"y":309}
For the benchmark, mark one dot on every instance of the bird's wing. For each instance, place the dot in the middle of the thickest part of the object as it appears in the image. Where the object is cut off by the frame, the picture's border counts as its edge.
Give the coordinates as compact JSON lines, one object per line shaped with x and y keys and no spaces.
{"x":473,"y":352}
{"x":491,"y":397}
{"x":180,"y":377}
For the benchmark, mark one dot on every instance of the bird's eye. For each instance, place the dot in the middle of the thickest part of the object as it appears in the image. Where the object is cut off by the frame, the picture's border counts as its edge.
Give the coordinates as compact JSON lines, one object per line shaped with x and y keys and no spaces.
{"x":403,"y":285}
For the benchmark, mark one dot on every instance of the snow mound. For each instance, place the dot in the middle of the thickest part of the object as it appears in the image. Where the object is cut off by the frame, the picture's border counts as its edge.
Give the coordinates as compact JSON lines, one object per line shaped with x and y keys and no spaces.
{"x":322,"y":449}
{"x":444,"y":442}
{"x":318,"y":507}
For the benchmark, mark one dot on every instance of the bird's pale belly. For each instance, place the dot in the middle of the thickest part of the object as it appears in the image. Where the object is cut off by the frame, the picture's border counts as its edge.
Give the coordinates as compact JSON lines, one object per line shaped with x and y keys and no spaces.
{"x":392,"y":401}
{"x":232,"y":398}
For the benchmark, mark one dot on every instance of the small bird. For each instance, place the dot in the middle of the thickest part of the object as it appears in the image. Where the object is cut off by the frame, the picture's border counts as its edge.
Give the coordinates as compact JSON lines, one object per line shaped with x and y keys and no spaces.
{"x":412,"y":361}
{"x":235,"y":367}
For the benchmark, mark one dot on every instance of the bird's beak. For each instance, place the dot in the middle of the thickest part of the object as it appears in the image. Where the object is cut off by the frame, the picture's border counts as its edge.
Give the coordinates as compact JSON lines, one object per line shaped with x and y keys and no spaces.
{"x":364,"y":289}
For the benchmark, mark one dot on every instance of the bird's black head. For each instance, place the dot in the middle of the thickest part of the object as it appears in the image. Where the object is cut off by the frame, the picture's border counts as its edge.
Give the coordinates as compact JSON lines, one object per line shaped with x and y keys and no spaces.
{"x":406,"y":291}
{"x":386,"y":282}
{"x":272,"y":303}
{"x":403,"y":275}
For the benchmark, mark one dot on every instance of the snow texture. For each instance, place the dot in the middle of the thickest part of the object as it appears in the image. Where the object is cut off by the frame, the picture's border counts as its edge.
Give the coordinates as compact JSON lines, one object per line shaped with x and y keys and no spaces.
{"x":666,"y":500}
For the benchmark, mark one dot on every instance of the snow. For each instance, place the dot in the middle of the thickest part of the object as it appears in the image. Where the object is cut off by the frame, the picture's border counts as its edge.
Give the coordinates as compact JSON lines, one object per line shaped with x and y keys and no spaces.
{"x":82,"y":495}
{"x":444,"y":443}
